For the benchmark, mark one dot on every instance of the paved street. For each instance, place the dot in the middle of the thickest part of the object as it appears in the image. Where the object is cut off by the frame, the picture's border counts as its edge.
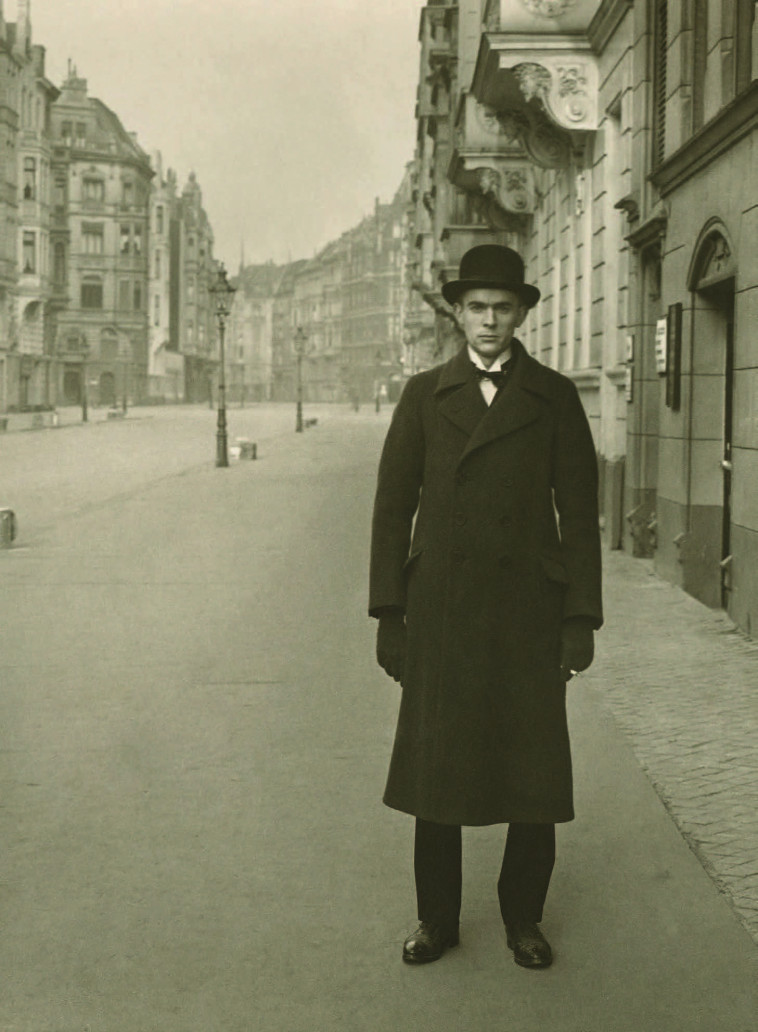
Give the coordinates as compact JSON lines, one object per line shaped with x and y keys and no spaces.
{"x":195,"y":739}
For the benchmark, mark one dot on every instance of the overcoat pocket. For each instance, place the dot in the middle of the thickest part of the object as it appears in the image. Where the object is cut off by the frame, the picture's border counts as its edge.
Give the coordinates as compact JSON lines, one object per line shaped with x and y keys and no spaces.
{"x":554,"y":569}
{"x":415,"y":553}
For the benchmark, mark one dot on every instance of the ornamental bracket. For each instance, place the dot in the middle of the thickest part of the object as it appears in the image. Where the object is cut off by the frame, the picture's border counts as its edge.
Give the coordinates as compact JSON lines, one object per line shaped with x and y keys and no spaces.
{"x":550,"y":79}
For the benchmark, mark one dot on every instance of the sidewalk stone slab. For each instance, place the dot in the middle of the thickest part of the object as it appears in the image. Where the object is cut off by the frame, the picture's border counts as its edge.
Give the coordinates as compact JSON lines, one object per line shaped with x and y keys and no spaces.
{"x":682,"y":682}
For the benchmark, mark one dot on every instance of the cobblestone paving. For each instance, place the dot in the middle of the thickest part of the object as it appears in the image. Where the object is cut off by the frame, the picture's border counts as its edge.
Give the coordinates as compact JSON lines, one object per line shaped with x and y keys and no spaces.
{"x":682,"y":683}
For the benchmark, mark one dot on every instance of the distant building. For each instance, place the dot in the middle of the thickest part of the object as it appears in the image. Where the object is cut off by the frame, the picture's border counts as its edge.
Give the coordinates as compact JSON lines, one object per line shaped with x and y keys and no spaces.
{"x":192,"y":242}
{"x":250,"y":334}
{"x":372,"y":343}
{"x":27,"y":317}
{"x":317,"y":301}
{"x":165,"y":360}
{"x":283,"y":328}
{"x":101,"y":185}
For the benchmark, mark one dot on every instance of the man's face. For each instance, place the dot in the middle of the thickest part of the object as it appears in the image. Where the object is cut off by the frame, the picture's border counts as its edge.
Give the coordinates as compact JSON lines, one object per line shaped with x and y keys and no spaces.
{"x":489,"y":319}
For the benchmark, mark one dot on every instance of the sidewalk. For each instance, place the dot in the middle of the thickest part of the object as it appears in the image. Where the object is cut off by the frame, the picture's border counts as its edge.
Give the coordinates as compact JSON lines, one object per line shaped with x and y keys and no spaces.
{"x":682,"y":683}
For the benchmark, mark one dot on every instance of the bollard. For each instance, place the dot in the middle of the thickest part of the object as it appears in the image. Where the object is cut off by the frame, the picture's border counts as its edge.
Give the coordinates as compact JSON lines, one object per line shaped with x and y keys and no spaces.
{"x":7,"y":527}
{"x":247,"y":449}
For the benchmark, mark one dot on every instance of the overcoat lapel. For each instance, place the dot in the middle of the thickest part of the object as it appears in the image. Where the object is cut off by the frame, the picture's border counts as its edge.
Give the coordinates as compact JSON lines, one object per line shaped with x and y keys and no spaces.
{"x":459,"y":396}
{"x":515,"y":405}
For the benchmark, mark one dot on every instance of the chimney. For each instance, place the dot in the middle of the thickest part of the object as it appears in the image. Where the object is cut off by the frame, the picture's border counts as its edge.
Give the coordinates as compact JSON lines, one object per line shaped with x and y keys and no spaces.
{"x":23,"y":25}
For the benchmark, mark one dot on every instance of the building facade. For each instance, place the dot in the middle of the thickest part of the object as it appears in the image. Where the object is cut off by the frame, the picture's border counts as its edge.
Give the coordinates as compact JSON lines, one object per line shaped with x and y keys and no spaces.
{"x":693,"y":426}
{"x":27,"y":315}
{"x":250,"y":334}
{"x":101,"y":190}
{"x":192,"y":242}
{"x":612,"y":143}
{"x":165,"y":361}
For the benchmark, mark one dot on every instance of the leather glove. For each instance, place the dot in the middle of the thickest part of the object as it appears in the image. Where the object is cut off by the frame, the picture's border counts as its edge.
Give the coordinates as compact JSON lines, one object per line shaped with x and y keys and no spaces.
{"x":577,"y":646}
{"x":391,"y":643}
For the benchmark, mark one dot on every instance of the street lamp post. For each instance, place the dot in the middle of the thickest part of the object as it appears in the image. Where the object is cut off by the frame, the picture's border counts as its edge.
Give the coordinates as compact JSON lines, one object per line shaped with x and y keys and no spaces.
{"x":85,"y":351}
{"x":223,"y":292}
{"x":300,"y":341}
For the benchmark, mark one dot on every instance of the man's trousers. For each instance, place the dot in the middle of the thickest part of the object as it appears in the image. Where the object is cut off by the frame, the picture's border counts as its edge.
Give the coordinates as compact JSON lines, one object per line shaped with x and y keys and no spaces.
{"x":524,"y":876}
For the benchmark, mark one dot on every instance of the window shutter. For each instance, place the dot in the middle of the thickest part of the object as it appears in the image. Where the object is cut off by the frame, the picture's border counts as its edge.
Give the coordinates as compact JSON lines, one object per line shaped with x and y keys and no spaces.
{"x":659,"y":81}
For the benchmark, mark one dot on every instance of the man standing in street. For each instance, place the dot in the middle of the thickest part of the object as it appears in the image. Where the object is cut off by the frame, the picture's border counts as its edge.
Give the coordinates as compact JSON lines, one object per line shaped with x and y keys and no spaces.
{"x":485,"y":579}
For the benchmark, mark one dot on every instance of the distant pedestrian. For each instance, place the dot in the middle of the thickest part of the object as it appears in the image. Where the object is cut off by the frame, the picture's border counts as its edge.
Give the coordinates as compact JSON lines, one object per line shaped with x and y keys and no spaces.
{"x":485,"y":578}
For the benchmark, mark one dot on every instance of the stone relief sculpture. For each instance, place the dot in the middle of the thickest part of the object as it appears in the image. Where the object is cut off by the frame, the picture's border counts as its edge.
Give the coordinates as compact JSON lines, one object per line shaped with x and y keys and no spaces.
{"x":495,"y":198}
{"x":545,"y":144}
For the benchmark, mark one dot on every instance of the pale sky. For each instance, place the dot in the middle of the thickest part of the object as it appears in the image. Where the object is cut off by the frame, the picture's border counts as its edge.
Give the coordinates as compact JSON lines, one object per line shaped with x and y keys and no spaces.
{"x":295,"y":114}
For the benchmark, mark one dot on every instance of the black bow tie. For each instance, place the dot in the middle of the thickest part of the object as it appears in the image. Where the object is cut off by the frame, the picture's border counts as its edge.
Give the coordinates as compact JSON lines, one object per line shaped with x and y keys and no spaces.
{"x":497,"y":376}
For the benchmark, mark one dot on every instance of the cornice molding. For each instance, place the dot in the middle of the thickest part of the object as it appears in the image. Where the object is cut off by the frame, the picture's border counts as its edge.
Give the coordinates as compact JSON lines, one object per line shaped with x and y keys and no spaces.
{"x":617,"y":375}
{"x":607,"y":19}
{"x":723,"y":131}
{"x":652,"y":230}
{"x":587,"y":378}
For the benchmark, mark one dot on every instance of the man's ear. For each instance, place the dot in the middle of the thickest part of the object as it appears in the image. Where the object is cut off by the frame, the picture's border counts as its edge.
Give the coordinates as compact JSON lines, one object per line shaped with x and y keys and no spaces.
{"x":458,"y":311}
{"x":522,"y":314}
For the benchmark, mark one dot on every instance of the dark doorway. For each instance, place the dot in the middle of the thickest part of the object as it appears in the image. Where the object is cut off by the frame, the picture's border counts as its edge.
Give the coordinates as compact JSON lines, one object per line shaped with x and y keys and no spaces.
{"x":72,"y":386}
{"x":107,"y":389}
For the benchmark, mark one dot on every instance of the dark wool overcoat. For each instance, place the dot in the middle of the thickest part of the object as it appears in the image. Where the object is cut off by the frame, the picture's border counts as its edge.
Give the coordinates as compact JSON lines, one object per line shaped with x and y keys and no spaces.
{"x":485,"y":531}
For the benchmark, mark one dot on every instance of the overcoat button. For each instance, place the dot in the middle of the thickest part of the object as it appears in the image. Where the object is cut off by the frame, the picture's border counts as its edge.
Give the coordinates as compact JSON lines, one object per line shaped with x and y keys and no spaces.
{"x":506,"y":521}
{"x":457,"y":556}
{"x":507,"y":482}
{"x":460,"y":519}
{"x":505,"y":561}
{"x":462,"y":478}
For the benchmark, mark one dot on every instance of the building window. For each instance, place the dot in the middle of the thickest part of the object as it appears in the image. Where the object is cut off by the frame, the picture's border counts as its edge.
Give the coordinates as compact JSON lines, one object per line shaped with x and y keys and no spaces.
{"x":125,"y":246}
{"x":190,"y":331}
{"x":92,"y":237}
{"x":124,"y":295}
{"x":67,"y":132}
{"x":93,"y":190}
{"x":137,"y":296}
{"x":59,"y":194}
{"x":59,"y":264}
{"x":127,"y":192}
{"x":29,"y":257}
{"x":157,"y":264}
{"x":157,"y":310}
{"x":92,"y":293}
{"x":30,"y":179}
{"x":190,"y":291}
{"x":81,"y":135}
{"x":137,"y":239}
{"x":159,"y":219}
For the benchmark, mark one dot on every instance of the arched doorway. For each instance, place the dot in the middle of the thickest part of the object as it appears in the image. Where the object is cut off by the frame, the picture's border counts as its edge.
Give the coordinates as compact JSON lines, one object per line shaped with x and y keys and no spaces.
{"x":708,"y":560}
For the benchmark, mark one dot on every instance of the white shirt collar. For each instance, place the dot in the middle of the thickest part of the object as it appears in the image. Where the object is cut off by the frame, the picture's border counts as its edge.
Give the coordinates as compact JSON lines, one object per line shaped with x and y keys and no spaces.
{"x":496,"y":366}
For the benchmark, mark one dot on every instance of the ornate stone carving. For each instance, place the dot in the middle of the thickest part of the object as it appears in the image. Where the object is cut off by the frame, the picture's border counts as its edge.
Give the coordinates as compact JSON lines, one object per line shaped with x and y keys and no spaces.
{"x":498,"y":197}
{"x":548,"y":8}
{"x":533,"y":79}
{"x":567,"y":89}
{"x":717,"y":261}
{"x":545,"y":144}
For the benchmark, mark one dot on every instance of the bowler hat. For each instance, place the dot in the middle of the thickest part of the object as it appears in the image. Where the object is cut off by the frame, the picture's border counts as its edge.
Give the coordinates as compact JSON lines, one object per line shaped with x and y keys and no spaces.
{"x":494,"y":266}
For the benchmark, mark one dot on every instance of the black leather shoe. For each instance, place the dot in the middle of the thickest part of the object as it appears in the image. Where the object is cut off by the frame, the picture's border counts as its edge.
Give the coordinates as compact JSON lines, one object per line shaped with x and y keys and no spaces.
{"x":428,"y":942}
{"x":530,"y":947}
